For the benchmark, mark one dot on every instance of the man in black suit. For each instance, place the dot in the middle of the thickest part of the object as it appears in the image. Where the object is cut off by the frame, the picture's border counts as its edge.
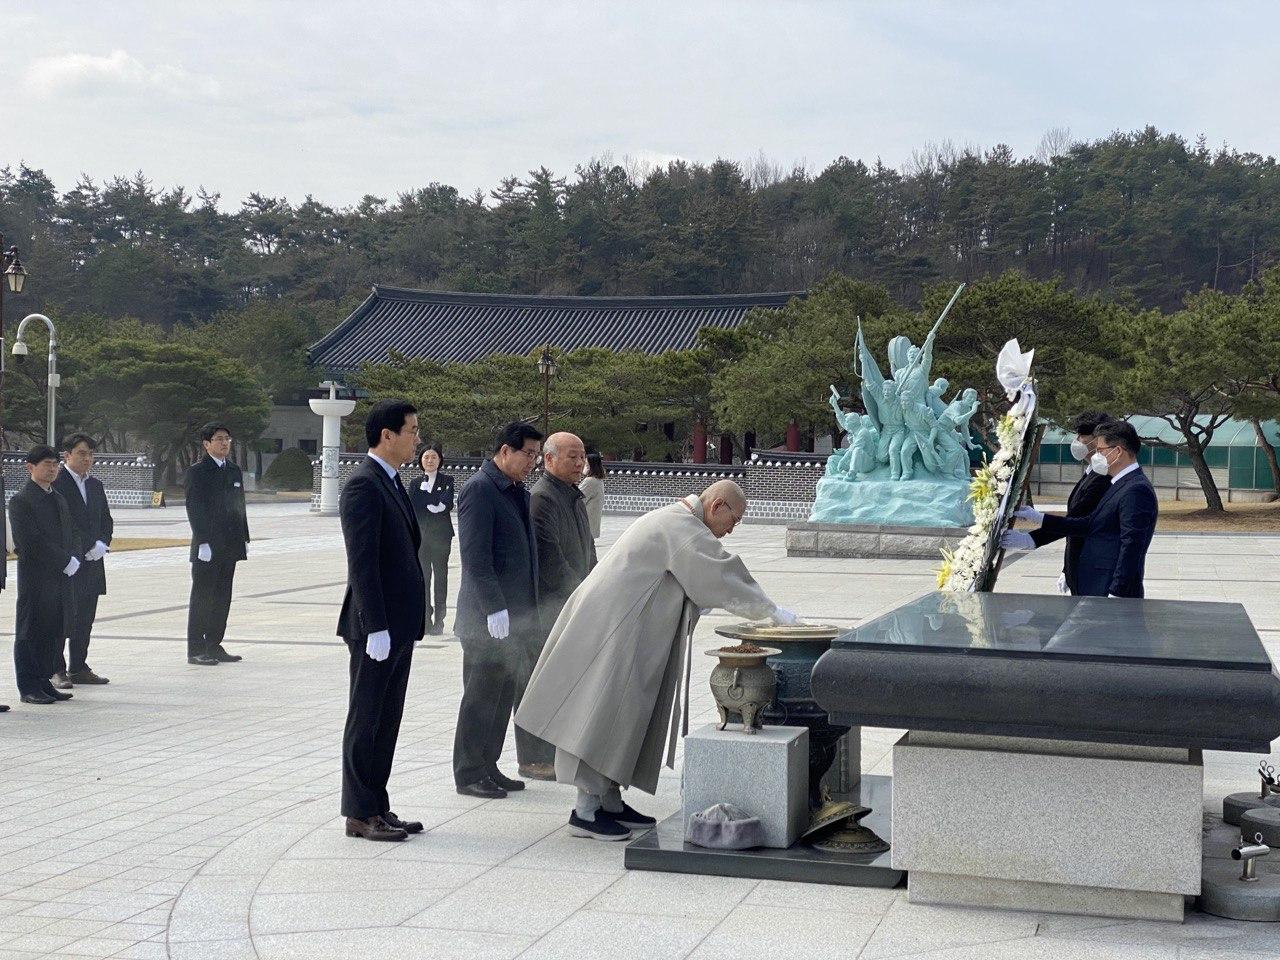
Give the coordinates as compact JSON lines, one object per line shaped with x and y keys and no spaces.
{"x":497,"y":607}
{"x":44,"y":539}
{"x":219,"y":538}
{"x":383,"y":615}
{"x":91,"y":517}
{"x":1084,"y":495}
{"x":1118,"y":531}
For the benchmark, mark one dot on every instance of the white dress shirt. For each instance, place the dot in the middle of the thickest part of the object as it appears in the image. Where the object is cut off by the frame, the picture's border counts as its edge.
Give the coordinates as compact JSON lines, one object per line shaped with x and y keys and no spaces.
{"x":391,"y":471}
{"x":80,"y":484}
{"x":1129,"y":469}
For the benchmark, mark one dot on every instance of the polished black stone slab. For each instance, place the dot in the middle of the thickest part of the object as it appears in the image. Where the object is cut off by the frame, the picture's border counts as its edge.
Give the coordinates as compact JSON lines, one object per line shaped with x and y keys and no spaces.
{"x":1165,"y":632}
{"x":1146,"y":672}
{"x":664,"y":849}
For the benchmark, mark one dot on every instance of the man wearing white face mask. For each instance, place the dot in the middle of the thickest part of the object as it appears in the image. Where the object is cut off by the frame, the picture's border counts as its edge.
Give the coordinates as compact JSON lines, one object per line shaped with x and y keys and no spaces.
{"x":1118,"y":531}
{"x":1084,"y":495}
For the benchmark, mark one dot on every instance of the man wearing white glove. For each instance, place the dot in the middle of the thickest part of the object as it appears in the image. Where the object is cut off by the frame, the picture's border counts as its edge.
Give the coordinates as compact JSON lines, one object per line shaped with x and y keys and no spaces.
{"x":44,"y":540}
{"x":1084,"y":496}
{"x":497,"y":613}
{"x":219,"y":540}
{"x":383,"y":615}
{"x":606,"y":691}
{"x":94,"y":527}
{"x":1115,"y":535}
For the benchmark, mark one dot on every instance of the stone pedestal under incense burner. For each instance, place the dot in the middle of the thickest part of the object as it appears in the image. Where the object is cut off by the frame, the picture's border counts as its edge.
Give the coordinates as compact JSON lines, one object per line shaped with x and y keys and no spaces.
{"x":793,"y":704}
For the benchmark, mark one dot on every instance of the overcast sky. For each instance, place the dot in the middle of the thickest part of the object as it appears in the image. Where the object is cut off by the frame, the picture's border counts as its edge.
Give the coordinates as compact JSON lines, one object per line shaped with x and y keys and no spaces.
{"x":343,"y":100}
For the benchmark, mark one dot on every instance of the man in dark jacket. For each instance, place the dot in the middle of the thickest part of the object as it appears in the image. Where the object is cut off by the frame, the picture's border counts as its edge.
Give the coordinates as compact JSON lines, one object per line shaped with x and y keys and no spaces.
{"x":44,"y":539}
{"x":91,"y":517}
{"x":1084,"y":495}
{"x":497,"y":607}
{"x":219,"y":538}
{"x":1118,"y":531}
{"x":383,"y":615}
{"x":566,"y":554}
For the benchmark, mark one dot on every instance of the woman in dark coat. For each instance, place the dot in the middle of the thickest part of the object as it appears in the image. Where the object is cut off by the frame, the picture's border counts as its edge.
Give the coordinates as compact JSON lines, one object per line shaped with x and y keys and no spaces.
{"x":432,"y":498}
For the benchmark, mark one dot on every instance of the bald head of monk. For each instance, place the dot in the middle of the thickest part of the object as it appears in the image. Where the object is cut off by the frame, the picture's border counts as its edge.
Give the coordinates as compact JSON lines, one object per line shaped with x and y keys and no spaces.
{"x":723,"y":507}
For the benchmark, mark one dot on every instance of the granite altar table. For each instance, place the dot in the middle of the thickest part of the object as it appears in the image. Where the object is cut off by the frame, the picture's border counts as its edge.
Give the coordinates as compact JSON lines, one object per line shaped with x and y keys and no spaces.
{"x":1053,"y":754}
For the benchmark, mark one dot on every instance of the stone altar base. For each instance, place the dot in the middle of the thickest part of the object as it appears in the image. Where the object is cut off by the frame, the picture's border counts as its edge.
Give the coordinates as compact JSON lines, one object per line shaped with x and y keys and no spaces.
{"x":1048,"y":825}
{"x":871,"y":540}
{"x":664,"y":849}
{"x":765,"y":773}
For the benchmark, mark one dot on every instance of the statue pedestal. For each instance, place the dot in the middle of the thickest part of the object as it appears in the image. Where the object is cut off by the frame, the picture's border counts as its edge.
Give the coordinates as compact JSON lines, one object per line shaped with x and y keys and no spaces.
{"x":871,"y":540}
{"x":928,"y":502}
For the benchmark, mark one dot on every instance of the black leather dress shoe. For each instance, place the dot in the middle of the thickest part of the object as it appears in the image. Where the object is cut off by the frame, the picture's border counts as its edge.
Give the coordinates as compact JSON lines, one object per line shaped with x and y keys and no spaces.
{"x":202,"y":660}
{"x":37,"y":698}
{"x":4,"y":708}
{"x":485,"y":789}
{"x":222,"y":656}
{"x":506,"y":783}
{"x":375,"y":828}
{"x":58,"y":694}
{"x":408,"y":826}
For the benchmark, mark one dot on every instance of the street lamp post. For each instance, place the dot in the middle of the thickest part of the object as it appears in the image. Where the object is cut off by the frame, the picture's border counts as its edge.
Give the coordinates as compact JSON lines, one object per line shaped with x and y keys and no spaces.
{"x":547,"y":368}
{"x":54,"y":381}
{"x":14,"y":276}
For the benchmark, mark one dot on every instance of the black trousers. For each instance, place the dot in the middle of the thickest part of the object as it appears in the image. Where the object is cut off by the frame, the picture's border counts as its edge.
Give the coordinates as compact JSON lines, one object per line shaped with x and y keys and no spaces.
{"x":38,"y":633}
{"x":210,"y":604}
{"x":490,"y":669}
{"x":374,"y":709}
{"x":530,"y":749}
{"x":84,"y":612}
{"x":434,"y":557}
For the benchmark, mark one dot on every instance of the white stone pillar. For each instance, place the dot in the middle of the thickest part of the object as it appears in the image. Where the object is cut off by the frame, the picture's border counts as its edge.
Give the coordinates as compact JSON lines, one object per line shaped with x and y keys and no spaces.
{"x":333,"y":410}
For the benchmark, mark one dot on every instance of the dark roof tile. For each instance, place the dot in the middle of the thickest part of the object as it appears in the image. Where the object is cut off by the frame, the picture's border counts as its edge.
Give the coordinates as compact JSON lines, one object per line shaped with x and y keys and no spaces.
{"x":445,"y":327}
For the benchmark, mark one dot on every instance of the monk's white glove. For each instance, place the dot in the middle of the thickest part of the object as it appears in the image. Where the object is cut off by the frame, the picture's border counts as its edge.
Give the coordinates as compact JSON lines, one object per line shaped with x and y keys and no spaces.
{"x":378,"y":646}
{"x":72,"y":566}
{"x":1062,"y":584}
{"x":204,"y":553}
{"x":499,"y":625}
{"x":784,"y":617}
{"x":435,"y":508}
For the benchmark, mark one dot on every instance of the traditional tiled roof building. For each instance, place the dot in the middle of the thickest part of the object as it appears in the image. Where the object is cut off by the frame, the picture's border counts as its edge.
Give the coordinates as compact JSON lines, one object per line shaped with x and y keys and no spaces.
{"x":463,"y":327}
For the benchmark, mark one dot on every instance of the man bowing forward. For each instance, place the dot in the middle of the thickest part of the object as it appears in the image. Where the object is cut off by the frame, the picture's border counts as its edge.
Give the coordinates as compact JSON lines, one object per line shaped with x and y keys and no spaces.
{"x":383,"y":615}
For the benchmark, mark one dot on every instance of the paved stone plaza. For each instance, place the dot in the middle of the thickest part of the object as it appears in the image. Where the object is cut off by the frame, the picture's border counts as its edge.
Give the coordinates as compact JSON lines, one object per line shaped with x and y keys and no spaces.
{"x":193,"y":812}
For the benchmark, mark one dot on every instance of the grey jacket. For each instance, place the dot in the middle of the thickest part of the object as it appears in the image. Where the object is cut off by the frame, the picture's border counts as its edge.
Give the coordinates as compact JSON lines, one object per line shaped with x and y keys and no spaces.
{"x":566,"y":549}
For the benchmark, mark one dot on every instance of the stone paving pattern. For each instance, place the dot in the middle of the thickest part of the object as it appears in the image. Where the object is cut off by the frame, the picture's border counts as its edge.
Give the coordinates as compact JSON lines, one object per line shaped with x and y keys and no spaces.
{"x":192,"y":812}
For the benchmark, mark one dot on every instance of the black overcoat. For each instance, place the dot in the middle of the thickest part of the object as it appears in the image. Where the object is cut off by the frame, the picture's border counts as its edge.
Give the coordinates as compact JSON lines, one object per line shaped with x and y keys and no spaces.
{"x":215,"y":509}
{"x":92,"y":522}
{"x":44,"y":540}
{"x":498,"y":552}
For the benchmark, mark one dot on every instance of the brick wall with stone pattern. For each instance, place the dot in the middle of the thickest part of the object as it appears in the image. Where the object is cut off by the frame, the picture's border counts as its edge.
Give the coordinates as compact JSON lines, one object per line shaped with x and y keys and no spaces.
{"x":126,"y":477}
{"x":779,"y":487}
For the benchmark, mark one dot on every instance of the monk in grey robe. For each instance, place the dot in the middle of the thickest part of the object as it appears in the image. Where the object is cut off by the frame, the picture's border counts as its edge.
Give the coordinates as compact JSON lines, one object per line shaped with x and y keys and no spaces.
{"x":606,"y":689}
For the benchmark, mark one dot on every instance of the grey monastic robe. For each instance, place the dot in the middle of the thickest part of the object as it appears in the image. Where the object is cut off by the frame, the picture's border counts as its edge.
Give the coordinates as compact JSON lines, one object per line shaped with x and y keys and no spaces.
{"x":605,"y":688}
